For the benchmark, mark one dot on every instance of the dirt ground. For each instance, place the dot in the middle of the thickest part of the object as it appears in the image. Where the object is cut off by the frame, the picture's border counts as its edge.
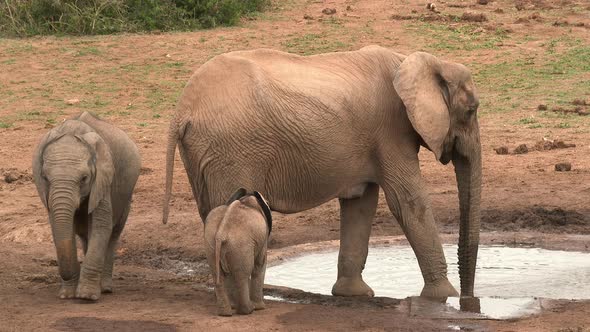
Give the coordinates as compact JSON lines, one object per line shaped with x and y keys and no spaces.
{"x":529,"y":59}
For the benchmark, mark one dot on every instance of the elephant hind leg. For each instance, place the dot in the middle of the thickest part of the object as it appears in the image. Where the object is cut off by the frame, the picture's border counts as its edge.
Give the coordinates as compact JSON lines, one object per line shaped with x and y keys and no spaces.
{"x":356,"y":216}
{"x":257,"y":280}
{"x":244,"y":305}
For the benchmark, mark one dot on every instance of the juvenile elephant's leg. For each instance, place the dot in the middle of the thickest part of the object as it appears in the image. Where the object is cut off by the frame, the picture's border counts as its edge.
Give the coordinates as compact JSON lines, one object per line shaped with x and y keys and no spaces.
{"x":223,"y":302}
{"x":257,"y":281}
{"x":356,"y":216}
{"x":81,"y":228}
{"x":106,"y":283}
{"x":242,"y":283}
{"x":410,"y":205}
{"x":232,"y":292}
{"x":92,"y":267}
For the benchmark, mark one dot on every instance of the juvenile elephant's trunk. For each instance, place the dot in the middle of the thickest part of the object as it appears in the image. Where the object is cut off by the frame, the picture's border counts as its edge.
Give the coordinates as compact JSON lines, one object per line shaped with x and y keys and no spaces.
{"x":62,"y":208}
{"x":468,"y":173}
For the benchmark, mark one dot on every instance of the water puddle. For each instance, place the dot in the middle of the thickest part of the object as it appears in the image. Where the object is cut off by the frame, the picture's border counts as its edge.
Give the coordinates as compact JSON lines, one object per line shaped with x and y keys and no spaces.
{"x":509,"y":281}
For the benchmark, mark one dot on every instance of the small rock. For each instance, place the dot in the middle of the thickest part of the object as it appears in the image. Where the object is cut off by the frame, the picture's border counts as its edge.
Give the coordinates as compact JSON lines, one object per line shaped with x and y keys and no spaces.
{"x":499,"y":10}
{"x":542,"y":107}
{"x":414,"y":11}
{"x":521,"y":149}
{"x":501,"y":150}
{"x":536,"y":16}
{"x":11,"y":177}
{"x":329,"y":11}
{"x":563,"y":167}
{"x":350,"y":8}
{"x":483,"y":2}
{"x":307,"y":17}
{"x":72,"y":101}
{"x":431,"y":6}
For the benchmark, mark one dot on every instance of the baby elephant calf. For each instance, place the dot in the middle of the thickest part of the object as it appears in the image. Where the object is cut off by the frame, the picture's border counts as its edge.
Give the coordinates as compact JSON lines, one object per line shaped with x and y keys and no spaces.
{"x":236,"y":237}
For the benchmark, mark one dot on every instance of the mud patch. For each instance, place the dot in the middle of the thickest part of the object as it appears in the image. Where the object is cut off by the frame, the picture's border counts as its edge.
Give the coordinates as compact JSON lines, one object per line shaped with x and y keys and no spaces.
{"x":172,"y":262}
{"x":576,"y":110}
{"x":542,"y":145}
{"x":300,"y":296}
{"x":536,"y":218}
{"x":84,"y":324}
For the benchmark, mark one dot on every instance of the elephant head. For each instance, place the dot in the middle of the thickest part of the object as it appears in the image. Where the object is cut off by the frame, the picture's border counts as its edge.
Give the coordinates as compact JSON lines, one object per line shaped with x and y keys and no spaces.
{"x":441,"y":103}
{"x":73,"y":172}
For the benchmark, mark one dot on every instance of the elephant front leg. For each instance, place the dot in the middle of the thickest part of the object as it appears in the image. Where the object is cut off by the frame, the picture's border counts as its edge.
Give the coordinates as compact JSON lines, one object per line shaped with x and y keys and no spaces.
{"x":89,"y":287}
{"x":356,"y":216}
{"x":106,"y":283}
{"x":412,"y":210}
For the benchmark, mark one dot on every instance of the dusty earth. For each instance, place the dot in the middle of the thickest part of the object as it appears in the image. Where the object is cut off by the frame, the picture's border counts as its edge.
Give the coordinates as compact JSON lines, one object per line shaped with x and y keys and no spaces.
{"x":529,"y":59}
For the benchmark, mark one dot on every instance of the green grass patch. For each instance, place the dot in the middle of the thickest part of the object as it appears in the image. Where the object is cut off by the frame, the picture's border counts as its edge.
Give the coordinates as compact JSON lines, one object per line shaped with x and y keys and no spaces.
{"x":554,"y":78}
{"x":313,"y":43}
{"x":528,"y":120}
{"x":464,"y":37}
{"x":83,"y":17}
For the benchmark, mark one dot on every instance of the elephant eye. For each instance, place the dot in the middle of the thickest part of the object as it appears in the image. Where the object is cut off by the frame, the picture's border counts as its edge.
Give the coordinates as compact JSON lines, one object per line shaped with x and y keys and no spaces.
{"x":84,"y":178}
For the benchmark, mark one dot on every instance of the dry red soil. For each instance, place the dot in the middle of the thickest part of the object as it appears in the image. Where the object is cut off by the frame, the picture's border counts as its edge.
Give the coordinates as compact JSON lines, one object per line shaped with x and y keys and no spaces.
{"x":133,"y":81}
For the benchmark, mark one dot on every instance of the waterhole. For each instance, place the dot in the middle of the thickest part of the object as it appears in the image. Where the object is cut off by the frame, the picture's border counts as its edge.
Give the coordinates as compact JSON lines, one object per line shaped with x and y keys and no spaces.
{"x":508,"y":280}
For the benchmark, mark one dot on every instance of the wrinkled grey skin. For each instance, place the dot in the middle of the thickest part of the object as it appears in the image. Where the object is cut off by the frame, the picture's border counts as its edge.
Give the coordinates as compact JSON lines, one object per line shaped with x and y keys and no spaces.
{"x":305,"y":130}
{"x":85,"y":171}
{"x":236,"y":236}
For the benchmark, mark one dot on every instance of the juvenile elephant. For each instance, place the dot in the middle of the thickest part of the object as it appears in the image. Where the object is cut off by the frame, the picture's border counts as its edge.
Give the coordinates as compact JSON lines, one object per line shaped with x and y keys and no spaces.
{"x":236,"y":237}
{"x":85,"y":171}
{"x":305,"y":130}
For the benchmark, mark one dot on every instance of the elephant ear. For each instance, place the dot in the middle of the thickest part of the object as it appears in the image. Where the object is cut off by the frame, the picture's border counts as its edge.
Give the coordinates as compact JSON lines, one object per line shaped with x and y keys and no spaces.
{"x":104,"y":169}
{"x":265,"y":209}
{"x":52,"y":136}
{"x":239,"y":193}
{"x":420,"y":84}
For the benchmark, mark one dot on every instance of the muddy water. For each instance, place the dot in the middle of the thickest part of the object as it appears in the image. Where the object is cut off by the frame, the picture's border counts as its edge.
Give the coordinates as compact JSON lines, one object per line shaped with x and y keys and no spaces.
{"x":502,"y":272}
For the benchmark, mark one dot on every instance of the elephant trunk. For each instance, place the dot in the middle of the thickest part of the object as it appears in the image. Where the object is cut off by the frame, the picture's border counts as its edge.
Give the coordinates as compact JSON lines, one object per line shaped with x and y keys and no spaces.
{"x":468,"y":173}
{"x":62,"y":208}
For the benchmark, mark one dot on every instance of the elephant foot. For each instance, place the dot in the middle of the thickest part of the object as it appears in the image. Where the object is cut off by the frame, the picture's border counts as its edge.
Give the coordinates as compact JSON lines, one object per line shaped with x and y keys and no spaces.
{"x":440,"y":289}
{"x":345,"y":286}
{"x":224,"y":311}
{"x":87,"y":292}
{"x":259,"y":305}
{"x":106,"y":285}
{"x":67,"y":292}
{"x":245,"y":309}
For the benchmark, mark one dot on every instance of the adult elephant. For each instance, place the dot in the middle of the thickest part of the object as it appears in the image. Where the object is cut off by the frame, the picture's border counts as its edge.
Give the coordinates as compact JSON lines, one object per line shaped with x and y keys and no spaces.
{"x":305,"y":130}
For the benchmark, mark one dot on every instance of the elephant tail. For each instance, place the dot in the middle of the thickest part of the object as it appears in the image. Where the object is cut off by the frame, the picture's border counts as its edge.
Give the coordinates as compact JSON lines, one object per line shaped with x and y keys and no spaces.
{"x":173,"y":135}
